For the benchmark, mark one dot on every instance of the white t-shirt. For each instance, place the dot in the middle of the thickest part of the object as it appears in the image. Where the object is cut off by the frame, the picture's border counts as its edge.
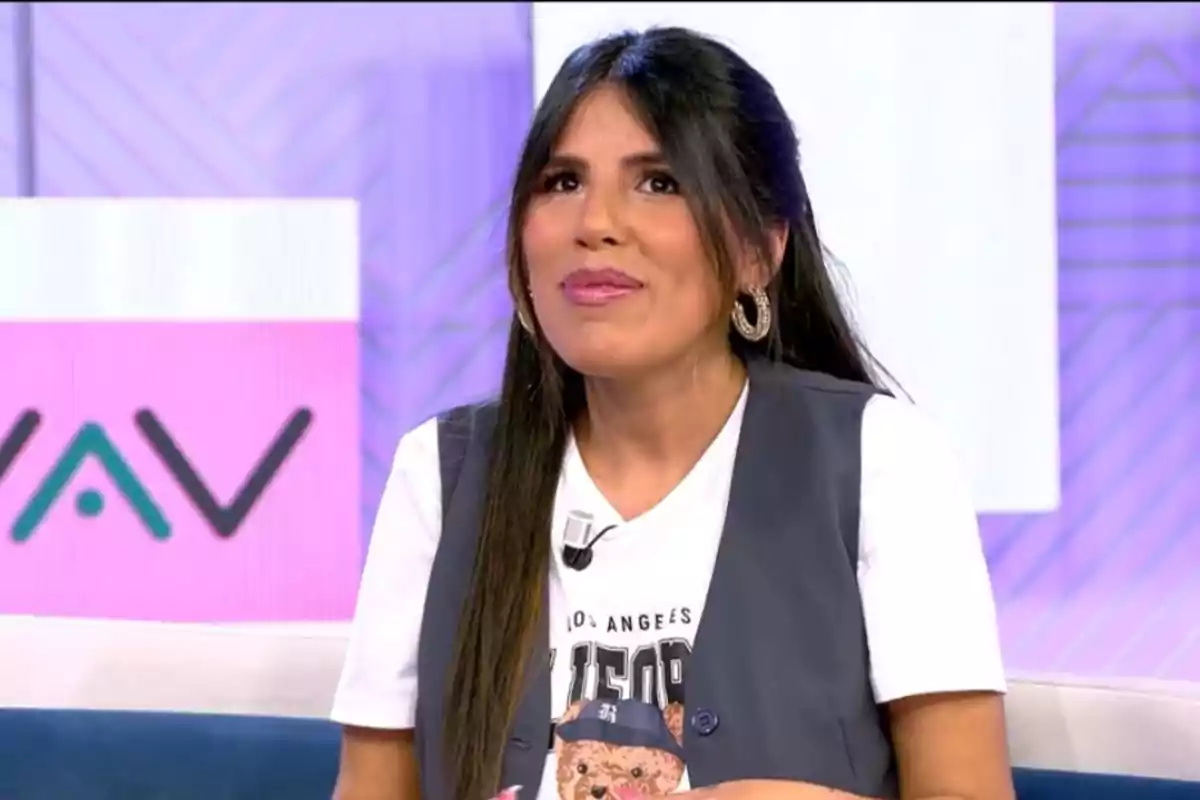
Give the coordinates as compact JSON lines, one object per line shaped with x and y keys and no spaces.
{"x":622,"y":628}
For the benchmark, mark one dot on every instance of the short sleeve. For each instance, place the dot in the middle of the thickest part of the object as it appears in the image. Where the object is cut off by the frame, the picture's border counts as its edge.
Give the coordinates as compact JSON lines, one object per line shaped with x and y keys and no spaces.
{"x":378,"y":684}
{"x":926,"y":592}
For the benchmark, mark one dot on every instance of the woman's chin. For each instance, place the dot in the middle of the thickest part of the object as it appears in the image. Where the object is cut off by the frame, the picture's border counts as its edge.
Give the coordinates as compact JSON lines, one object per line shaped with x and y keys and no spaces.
{"x":606,"y":359}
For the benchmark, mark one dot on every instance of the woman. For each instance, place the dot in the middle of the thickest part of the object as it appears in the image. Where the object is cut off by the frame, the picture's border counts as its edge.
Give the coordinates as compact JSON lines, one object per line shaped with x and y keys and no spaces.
{"x":688,"y":432}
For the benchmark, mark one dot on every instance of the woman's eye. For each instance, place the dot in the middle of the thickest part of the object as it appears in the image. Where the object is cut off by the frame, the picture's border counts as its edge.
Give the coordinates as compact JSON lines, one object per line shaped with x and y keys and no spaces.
{"x":560,"y":182}
{"x":660,"y":183}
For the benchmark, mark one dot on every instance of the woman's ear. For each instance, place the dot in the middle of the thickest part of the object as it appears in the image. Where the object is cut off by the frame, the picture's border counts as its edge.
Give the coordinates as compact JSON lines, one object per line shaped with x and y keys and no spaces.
{"x":778,"y":239}
{"x":754,"y":273}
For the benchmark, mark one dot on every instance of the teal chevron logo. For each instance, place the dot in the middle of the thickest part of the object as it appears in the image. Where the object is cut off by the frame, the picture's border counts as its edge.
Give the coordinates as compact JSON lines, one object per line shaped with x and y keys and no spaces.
{"x":92,"y":441}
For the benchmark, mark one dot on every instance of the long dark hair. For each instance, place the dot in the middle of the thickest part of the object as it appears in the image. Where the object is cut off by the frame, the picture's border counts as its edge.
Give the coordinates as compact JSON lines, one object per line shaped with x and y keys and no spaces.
{"x":733,"y":150}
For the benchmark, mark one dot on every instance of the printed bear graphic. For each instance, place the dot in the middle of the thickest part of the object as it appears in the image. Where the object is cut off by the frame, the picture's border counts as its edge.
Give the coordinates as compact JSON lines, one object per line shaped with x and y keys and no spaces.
{"x":610,"y":748}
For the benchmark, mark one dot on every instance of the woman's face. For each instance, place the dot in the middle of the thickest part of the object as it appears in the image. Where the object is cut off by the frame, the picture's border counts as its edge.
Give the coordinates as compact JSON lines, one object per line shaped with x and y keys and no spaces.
{"x":618,"y":275}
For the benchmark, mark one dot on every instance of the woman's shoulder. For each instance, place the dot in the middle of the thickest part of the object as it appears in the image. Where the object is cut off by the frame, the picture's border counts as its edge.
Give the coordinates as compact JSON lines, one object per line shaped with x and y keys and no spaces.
{"x":897,"y":429}
{"x":913,"y":476}
{"x":421,"y":445}
{"x":468,"y":419}
{"x":418,"y":446}
{"x":788,"y":376}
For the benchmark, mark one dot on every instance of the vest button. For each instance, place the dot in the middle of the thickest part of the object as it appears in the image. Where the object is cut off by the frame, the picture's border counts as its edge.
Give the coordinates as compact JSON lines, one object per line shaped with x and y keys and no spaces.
{"x":705,"y":722}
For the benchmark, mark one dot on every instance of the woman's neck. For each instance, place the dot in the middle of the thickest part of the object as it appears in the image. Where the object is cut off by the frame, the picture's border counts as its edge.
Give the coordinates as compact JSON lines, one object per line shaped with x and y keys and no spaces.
{"x":668,"y":416}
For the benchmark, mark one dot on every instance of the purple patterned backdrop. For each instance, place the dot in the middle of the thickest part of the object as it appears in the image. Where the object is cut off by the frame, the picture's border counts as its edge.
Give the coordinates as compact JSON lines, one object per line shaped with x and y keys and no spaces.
{"x":417,"y":110}
{"x":8,"y":106}
{"x":414,"y":109}
{"x":1107,"y":586}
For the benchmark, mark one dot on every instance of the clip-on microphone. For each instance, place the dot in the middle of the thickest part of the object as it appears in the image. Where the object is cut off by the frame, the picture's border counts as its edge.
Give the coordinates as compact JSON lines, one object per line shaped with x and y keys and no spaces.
{"x":578,"y":540}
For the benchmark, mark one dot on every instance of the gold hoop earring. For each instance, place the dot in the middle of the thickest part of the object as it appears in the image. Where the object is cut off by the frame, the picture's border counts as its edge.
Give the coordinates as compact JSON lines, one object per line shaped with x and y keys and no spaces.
{"x":762,"y":322}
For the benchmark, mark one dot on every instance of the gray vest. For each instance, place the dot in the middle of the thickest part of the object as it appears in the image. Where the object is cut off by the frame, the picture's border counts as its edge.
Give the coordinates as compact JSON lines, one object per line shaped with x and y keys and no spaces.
{"x":777,"y":680}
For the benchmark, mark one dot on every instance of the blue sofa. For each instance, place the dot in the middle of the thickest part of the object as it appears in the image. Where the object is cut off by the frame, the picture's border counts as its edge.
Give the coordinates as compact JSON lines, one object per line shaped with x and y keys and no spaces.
{"x":115,"y":755}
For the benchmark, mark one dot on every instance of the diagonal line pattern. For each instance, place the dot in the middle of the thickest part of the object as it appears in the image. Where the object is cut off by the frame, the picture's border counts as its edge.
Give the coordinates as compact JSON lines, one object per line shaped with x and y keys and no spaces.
{"x":1165,"y":606}
{"x":412,"y":109}
{"x":1091,"y":393}
{"x":1150,"y":531}
{"x":1100,"y":540}
{"x":1176,"y":661}
{"x":1129,"y":148}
